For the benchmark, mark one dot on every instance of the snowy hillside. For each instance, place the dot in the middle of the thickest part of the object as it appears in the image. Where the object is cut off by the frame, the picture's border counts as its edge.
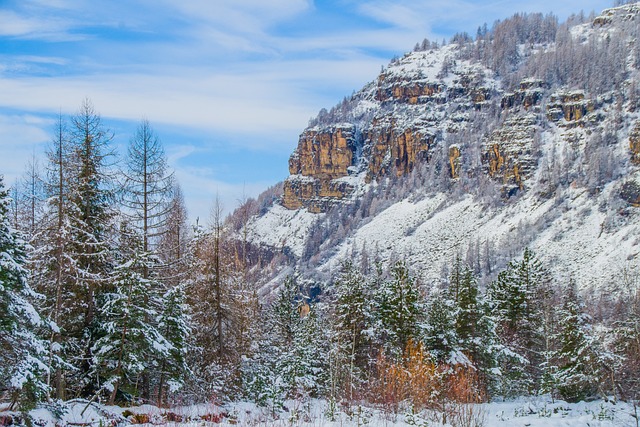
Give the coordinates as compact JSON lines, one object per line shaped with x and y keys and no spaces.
{"x":454,"y":152}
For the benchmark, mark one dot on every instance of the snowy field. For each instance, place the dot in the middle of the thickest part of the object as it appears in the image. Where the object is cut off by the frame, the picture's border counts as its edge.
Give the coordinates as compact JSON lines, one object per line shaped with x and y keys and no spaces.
{"x":533,"y":412}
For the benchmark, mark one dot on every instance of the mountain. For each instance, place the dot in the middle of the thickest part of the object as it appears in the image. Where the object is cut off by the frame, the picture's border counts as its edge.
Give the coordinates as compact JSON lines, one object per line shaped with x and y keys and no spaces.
{"x":526,"y":135}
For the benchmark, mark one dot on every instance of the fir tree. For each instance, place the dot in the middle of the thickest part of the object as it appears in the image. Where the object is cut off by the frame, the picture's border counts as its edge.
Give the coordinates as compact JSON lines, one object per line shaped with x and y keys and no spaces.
{"x":579,"y":360}
{"x":24,"y":354}
{"x":398,"y":309}
{"x":351,"y":318}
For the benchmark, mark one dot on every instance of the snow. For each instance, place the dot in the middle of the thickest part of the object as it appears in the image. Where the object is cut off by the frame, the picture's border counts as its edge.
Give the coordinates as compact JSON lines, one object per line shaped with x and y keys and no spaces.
{"x":281,"y":227}
{"x":534,"y":412}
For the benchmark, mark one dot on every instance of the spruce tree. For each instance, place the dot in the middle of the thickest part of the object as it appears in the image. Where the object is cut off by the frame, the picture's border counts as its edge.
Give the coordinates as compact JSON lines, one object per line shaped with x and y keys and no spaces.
{"x":23,"y":357}
{"x":517,"y":300}
{"x":90,"y":250}
{"x":580,"y":362}
{"x":398,"y":309}
{"x":351,"y":318}
{"x":440,"y":334}
{"x":174,"y":326}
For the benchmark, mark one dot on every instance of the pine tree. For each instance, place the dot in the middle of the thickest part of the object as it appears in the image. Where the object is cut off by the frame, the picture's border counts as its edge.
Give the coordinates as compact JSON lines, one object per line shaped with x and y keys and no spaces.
{"x":24,"y":354}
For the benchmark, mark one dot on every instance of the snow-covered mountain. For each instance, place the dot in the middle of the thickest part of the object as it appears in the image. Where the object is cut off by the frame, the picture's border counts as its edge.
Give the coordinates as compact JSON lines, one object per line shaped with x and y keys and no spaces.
{"x":527,"y":134}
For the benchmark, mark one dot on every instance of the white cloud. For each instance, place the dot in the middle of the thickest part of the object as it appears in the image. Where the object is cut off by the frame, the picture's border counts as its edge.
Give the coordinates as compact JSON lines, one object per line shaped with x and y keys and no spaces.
{"x":273,"y":98}
{"x":21,"y":135}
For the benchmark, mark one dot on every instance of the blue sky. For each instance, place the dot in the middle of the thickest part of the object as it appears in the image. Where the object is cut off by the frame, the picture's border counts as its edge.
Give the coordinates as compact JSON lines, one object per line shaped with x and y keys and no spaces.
{"x":227,"y":84}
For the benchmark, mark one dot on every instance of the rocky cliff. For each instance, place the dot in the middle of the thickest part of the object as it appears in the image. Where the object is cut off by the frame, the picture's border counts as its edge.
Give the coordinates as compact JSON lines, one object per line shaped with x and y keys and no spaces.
{"x":390,"y":126}
{"x":477,"y":149}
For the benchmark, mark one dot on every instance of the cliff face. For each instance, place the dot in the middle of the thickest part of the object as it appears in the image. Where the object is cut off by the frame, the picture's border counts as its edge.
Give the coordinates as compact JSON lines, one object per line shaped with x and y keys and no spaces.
{"x":389,"y":127}
{"x":537,"y":153}
{"x":322,"y":157}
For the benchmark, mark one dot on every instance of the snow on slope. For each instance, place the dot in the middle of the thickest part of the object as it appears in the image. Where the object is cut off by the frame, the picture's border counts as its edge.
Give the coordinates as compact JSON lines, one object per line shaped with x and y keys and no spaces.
{"x":576,"y":243}
{"x":282,"y":228}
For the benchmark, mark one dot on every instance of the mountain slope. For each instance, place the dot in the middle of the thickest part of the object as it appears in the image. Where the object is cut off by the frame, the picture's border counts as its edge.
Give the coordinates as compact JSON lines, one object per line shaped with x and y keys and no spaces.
{"x":526,"y":135}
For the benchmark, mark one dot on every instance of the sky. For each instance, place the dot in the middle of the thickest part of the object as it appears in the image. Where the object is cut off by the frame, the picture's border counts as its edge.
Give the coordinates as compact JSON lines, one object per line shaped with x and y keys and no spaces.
{"x":227,"y":85}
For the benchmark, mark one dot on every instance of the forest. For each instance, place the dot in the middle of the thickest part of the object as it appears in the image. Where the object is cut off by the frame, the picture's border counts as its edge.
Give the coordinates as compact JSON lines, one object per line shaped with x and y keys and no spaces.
{"x":109,"y":295}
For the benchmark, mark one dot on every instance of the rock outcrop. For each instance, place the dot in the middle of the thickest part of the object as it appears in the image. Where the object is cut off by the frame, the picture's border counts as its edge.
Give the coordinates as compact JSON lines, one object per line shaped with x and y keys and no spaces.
{"x":509,"y":155}
{"x":322,"y":157}
{"x":634,"y":144}
{"x":386,"y":129}
{"x":394,"y":150}
{"x":529,"y":94}
{"x":570,"y":107}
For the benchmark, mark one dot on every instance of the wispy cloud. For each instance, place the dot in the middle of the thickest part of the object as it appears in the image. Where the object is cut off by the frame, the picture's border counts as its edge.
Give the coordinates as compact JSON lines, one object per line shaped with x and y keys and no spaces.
{"x":245,"y":73}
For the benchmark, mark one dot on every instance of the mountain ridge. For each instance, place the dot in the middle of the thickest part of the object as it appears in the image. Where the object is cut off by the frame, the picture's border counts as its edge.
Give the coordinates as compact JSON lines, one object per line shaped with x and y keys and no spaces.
{"x":518,"y":150}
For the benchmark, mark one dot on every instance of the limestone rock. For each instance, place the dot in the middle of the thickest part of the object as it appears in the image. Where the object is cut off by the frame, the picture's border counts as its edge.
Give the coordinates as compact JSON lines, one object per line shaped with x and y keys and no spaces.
{"x":570,"y":106}
{"x":321,"y":158}
{"x":508,"y":153}
{"x":327,"y":152}
{"x":634,"y":144}
{"x":528,"y":95}
{"x":454,"y":161}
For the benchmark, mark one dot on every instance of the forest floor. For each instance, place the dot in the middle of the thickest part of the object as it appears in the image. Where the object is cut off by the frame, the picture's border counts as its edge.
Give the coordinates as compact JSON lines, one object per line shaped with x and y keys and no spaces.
{"x":525,"y":412}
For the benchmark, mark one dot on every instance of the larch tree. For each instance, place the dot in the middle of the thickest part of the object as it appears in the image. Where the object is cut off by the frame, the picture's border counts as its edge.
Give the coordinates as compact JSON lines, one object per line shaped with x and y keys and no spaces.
{"x":174,"y":239}
{"x":51,"y":264}
{"x":209,"y":296}
{"x":146,"y":201}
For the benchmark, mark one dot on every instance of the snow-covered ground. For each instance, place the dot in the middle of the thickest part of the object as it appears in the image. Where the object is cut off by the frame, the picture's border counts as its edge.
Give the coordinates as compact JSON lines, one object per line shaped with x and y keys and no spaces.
{"x":534,"y":412}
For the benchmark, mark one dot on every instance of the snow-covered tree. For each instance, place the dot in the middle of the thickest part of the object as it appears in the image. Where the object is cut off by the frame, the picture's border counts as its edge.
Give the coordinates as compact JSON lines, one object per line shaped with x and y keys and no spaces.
{"x":516,"y":300}
{"x":351,"y":320}
{"x":580,"y":364}
{"x":398,"y":309}
{"x":440,"y":334}
{"x":174,"y":326}
{"x":90,"y":248}
{"x":23,"y":358}
{"x":51,"y":263}
{"x":129,"y":342}
{"x":291,"y":361}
